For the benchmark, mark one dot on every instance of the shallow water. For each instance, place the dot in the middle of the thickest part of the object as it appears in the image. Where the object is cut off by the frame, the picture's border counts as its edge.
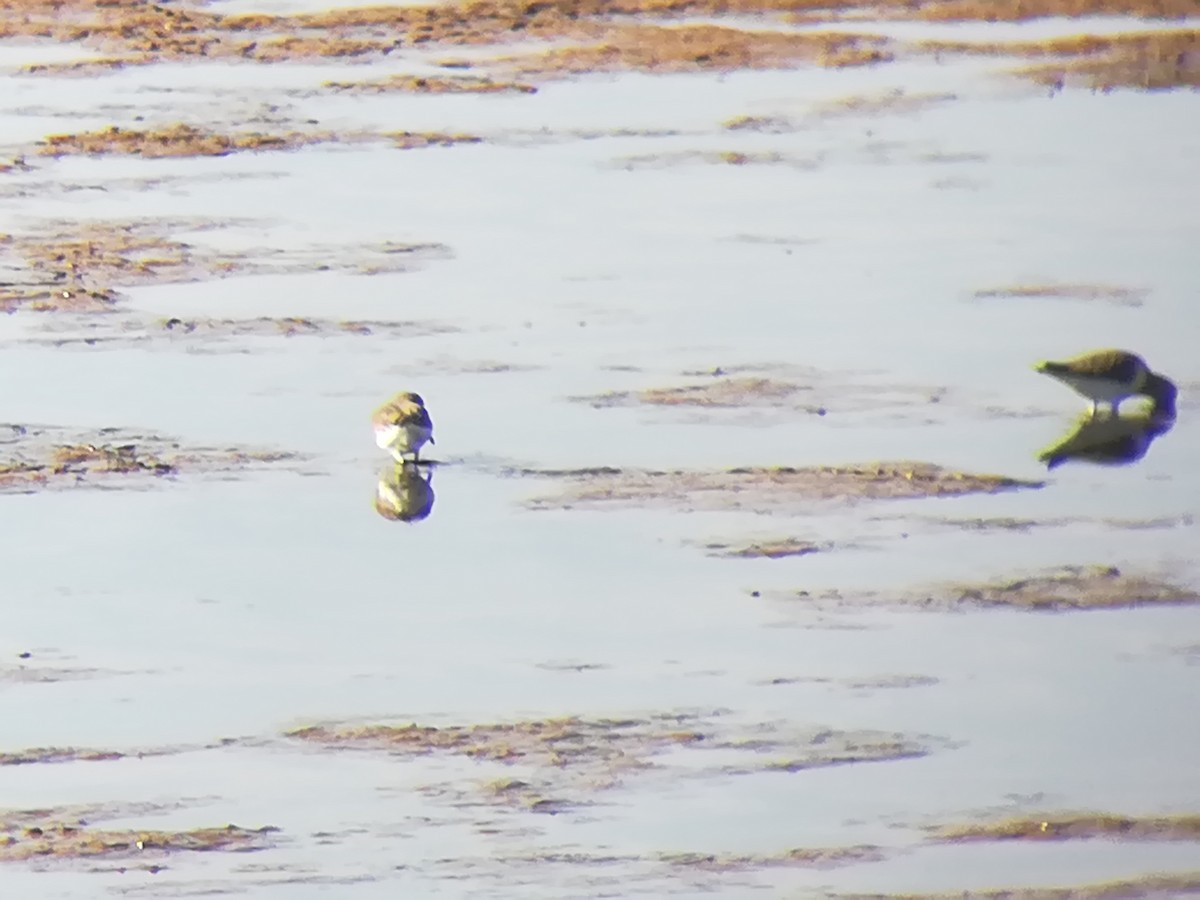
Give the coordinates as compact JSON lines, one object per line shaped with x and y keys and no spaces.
{"x":205,"y":609}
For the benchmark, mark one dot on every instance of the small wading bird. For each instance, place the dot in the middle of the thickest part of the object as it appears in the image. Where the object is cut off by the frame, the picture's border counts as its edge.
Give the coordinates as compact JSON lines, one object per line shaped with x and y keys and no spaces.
{"x":1109,"y":376}
{"x":402,"y":426}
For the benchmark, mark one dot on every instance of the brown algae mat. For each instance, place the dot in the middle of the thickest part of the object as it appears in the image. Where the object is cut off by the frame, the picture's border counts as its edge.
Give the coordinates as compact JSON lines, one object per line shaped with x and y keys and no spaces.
{"x":68,"y":834}
{"x":1096,"y":293}
{"x":588,"y":37}
{"x":747,"y":390}
{"x":781,"y":489}
{"x":39,"y":674}
{"x":1150,"y":61}
{"x":684,"y":48}
{"x":297,"y":326}
{"x":1149,"y":887}
{"x":562,"y":762}
{"x":1086,"y":826}
{"x":76,"y":267}
{"x":1147,"y":60}
{"x":1063,"y":589}
{"x":34,"y":458}
{"x":721,"y":392}
{"x":1068,"y":588}
{"x":705,"y":872}
{"x":1018,"y":10}
{"x":182,"y":140}
{"x":135,"y":33}
{"x":171,"y":141}
{"x":807,"y":857}
{"x":776,"y":548}
{"x":56,"y":755}
{"x":209,"y":334}
{"x":428,"y":84}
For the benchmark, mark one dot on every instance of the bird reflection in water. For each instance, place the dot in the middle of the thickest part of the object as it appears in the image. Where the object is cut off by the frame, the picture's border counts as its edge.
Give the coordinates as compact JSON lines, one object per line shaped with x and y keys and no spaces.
{"x":1110,"y":441}
{"x":405,"y":492}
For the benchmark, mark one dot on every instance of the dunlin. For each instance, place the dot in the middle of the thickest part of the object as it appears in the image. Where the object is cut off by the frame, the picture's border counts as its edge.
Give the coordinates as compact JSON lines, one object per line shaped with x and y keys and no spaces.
{"x":1109,"y":376}
{"x":402,"y":426}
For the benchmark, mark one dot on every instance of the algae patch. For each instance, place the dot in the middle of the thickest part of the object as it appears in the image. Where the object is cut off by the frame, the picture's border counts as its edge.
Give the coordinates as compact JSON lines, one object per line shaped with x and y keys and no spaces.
{"x":34,"y":458}
{"x":777,"y":548}
{"x":1068,"y":588}
{"x":696,"y":47}
{"x":1149,"y":887}
{"x":52,"y":834}
{"x":723,"y":392}
{"x":1063,"y":589}
{"x":77,"y":266}
{"x":1148,"y":60}
{"x":775,"y":490}
{"x":751,"y":394}
{"x":1060,"y":827}
{"x":806,"y":857}
{"x":1102,"y":293}
{"x":171,"y":141}
{"x":561,"y":763}
{"x":428,"y":84}
{"x":56,"y":755}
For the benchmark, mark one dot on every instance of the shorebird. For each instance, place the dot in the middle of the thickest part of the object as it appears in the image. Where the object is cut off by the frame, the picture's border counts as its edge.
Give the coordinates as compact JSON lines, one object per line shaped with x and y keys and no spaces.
{"x":1107,"y":441}
{"x":1109,"y":376}
{"x":403,"y":494}
{"x":402,"y":426}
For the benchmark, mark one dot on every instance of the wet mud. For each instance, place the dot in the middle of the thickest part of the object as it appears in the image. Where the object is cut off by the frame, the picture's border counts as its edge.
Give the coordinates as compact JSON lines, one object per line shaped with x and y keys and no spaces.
{"x":782,"y":490}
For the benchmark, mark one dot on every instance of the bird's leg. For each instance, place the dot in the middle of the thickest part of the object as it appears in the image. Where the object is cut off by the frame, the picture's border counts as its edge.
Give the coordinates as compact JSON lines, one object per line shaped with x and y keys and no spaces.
{"x":1095,"y":408}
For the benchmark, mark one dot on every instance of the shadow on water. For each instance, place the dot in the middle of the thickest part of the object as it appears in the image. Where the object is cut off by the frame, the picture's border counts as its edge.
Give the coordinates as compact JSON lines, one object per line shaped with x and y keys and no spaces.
{"x":404,"y":493}
{"x":1107,"y":440}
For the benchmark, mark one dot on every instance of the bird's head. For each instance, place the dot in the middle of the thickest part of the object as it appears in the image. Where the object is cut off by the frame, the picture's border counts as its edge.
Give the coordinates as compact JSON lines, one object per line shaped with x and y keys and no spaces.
{"x":1163,"y":392}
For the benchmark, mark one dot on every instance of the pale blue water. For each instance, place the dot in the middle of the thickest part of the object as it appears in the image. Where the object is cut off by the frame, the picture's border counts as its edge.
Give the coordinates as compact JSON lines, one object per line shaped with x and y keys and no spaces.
{"x":241,"y":608}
